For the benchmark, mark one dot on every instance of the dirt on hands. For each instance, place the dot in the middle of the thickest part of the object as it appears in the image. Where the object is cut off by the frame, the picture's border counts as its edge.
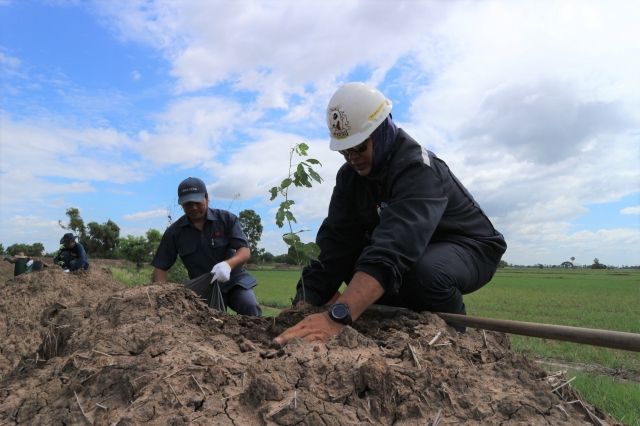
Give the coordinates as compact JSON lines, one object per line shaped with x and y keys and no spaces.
{"x":79,"y":348}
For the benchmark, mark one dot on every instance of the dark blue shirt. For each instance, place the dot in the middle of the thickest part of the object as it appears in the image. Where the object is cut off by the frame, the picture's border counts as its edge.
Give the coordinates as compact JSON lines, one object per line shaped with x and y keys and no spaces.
{"x":73,"y":258}
{"x":199,"y":250}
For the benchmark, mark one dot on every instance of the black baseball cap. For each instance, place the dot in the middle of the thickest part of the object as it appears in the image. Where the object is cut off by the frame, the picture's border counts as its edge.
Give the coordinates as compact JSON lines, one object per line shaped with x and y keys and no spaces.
{"x":191,"y":190}
{"x":67,"y":237}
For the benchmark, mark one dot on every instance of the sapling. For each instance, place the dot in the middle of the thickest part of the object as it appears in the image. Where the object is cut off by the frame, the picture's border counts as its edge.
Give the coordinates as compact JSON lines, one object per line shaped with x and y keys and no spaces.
{"x":299,"y":175}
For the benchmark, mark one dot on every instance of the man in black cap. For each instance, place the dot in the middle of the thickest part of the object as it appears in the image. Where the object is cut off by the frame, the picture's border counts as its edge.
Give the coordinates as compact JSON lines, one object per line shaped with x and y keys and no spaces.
{"x":72,"y":256}
{"x":209,"y":241}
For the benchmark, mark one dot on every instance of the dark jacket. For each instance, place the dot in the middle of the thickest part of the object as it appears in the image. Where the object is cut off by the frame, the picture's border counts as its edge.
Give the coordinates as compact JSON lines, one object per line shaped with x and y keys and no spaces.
{"x":382,"y":225}
{"x":73,"y":258}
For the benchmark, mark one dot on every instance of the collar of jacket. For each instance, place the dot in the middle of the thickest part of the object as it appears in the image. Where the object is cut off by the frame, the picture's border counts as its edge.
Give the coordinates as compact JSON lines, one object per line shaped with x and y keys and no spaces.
{"x":184,"y":220}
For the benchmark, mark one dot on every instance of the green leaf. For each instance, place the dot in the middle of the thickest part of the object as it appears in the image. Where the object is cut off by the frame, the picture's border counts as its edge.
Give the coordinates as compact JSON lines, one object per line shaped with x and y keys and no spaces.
{"x":314,"y":161}
{"x":274,"y":193}
{"x":290,"y":217}
{"x":311,"y":250}
{"x":285,"y":183}
{"x":315,"y":175}
{"x":290,"y":238}
{"x":302,"y":149}
{"x":300,"y":176}
{"x":280,"y":218}
{"x":286,"y":204}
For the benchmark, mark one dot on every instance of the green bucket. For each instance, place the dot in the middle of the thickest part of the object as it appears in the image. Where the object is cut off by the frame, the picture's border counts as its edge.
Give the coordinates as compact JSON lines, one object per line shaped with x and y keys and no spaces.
{"x":22,"y":265}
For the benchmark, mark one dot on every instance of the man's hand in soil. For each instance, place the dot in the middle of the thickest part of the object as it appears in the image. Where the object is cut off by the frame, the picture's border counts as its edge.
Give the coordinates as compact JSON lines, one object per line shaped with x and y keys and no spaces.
{"x":362,"y":291}
{"x":315,"y":327}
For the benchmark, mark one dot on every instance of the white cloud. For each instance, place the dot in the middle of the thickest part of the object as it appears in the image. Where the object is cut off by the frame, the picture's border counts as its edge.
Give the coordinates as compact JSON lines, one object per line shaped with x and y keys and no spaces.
{"x":135,"y":75}
{"x":9,"y":64}
{"x":192,"y":131}
{"x":42,"y":160}
{"x":274,"y":48}
{"x":631,"y":210}
{"x":29,"y":229}
{"x":150,"y":214}
{"x":615,"y":246}
{"x":260,"y":165}
{"x":536,"y":115}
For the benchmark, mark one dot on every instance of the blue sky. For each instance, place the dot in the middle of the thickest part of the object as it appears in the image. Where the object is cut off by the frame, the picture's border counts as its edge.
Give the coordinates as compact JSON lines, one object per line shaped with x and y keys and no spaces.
{"x":107,"y":105}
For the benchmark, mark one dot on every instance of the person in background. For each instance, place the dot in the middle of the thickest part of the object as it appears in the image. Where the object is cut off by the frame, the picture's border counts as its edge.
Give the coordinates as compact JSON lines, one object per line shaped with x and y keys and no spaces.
{"x":401,"y":229}
{"x":21,"y":264}
{"x":72,"y":256}
{"x":208,"y":241}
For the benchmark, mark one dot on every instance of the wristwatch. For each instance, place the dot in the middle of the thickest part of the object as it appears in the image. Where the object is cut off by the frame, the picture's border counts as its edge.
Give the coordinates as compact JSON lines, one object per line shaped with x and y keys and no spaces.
{"x":339,"y":312}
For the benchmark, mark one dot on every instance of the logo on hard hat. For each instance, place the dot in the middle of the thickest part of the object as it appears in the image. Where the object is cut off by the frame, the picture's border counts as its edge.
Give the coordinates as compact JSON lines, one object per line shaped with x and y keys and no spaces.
{"x":339,"y":124}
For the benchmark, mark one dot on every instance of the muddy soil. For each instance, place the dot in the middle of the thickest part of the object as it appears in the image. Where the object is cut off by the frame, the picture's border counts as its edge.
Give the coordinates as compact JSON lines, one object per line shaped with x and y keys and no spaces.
{"x":79,"y":348}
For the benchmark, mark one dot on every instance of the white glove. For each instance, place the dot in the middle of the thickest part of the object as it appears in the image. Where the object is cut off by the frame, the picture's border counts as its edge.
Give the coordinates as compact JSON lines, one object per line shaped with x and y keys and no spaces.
{"x":221,"y":272}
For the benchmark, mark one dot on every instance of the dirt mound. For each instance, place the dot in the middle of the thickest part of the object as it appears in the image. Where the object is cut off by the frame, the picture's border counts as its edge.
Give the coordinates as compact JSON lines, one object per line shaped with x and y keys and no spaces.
{"x":85,"y":350}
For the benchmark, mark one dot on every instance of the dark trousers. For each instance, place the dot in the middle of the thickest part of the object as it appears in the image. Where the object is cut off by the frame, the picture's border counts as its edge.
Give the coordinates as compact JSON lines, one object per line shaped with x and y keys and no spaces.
{"x":437,"y":282}
{"x":70,"y":261}
{"x":243,"y":301}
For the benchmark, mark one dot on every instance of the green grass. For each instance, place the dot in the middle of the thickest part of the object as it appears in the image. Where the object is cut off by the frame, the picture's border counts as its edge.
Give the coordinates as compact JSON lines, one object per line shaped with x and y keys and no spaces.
{"x":276,"y":288}
{"x":132,"y":277}
{"x":604,"y":299}
{"x":582,"y":298}
{"x":619,"y":399}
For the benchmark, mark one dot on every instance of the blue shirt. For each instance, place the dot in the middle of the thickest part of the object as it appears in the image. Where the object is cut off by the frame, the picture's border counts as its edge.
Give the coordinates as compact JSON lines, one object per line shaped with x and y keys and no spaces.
{"x":74,"y":258}
{"x":200,"y":250}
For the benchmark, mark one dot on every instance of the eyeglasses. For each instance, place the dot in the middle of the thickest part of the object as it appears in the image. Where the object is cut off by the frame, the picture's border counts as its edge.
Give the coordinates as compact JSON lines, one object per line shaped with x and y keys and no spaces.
{"x":358,"y":149}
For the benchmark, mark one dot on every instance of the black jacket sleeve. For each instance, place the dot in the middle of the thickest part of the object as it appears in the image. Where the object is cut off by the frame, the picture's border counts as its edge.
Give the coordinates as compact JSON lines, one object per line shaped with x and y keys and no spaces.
{"x":340,"y":238}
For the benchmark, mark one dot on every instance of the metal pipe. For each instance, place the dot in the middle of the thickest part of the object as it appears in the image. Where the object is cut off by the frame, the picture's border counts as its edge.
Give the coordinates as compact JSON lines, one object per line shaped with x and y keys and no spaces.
{"x":606,"y":338}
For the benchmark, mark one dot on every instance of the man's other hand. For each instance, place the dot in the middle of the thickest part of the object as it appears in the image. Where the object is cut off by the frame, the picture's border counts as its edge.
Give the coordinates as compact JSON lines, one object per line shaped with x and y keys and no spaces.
{"x":221,"y":272}
{"x":316,"y":327}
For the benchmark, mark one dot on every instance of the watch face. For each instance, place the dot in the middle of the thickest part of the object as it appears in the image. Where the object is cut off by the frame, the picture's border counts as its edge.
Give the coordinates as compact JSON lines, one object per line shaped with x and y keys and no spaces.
{"x":340,"y":311}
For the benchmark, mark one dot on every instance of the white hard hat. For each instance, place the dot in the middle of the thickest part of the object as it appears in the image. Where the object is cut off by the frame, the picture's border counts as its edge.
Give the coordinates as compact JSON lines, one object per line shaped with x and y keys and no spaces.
{"x":353,"y":113}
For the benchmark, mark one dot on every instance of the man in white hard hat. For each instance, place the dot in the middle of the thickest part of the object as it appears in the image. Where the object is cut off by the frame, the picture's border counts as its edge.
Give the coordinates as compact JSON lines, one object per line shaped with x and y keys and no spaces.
{"x":401,"y":229}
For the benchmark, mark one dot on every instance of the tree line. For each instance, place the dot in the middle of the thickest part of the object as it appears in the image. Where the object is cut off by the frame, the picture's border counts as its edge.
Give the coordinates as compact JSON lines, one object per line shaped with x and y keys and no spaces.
{"x":103,"y":240}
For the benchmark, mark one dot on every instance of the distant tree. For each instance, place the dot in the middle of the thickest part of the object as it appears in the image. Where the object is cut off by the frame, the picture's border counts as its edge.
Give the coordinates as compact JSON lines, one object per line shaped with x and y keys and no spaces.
{"x":153,"y":238}
{"x":572,"y":259}
{"x":135,"y":249}
{"x":99,"y":240}
{"x":502,"y":264}
{"x":35,"y":249}
{"x":267,"y":257}
{"x":76,"y":224}
{"x":597,"y":265}
{"x":139,"y":249}
{"x":251,"y":225}
{"x":566,"y":265}
{"x":102,"y":239}
{"x":285,"y":258}
{"x":1,"y":249}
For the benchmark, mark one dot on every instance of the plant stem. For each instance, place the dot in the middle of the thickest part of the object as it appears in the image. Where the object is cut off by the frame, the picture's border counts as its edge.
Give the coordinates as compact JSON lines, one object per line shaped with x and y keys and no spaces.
{"x":286,"y":198}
